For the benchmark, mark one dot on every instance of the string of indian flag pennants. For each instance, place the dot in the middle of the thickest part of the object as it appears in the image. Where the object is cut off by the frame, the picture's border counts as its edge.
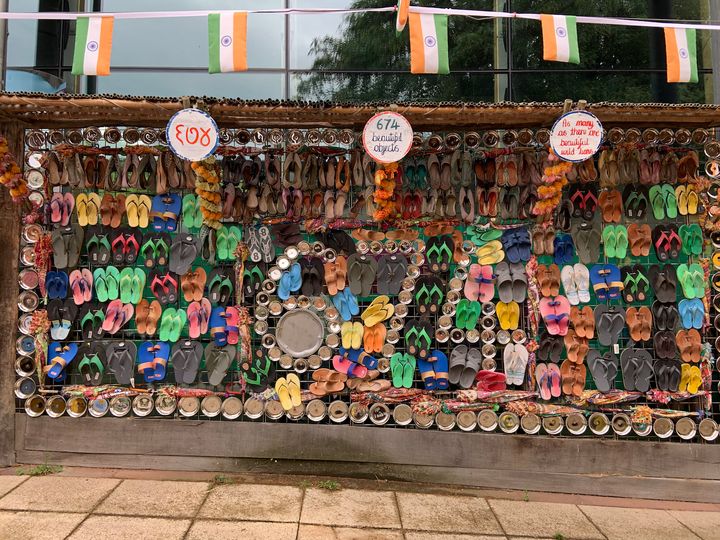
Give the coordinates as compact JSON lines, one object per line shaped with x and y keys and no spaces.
{"x":227,"y":36}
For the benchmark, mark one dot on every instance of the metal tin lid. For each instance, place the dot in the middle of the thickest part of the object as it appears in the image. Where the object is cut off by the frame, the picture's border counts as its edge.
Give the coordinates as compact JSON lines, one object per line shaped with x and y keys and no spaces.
{"x":285,"y":361}
{"x":379,"y":414}
{"x":508,"y":422}
{"x":530,"y":423}
{"x":621,"y":424}
{"x":383,"y":365}
{"x":445,"y":421}
{"x":338,"y":411}
{"x":325,"y":352}
{"x":25,"y":345}
{"x":142,"y":405}
{"x":487,"y":420}
{"x":25,"y":387}
{"x":25,"y":366}
{"x":358,"y":413}
{"x":316,"y":410}
{"x":274,"y":409}
{"x":296,"y":413}
{"x":408,"y":284}
{"x":300,"y":365}
{"x":35,"y":406}
{"x":268,"y":342}
{"x":402,"y":414}
{"x":254,"y":408}
{"x":28,"y":301}
{"x":423,"y":421}
{"x":188,"y":406}
{"x":708,"y":429}
{"x":231,"y":408}
{"x":314,"y":361}
{"x":599,"y":423}
{"x":98,"y":407}
{"x":466,"y":420}
{"x":388,"y":350}
{"x":164,"y":404}
{"x":120,"y":406}
{"x":663,"y":427}
{"x":489,"y":364}
{"x":576,"y":423}
{"x":685,"y":428}
{"x":401,"y":311}
{"x":552,"y":424}
{"x":642,"y":429}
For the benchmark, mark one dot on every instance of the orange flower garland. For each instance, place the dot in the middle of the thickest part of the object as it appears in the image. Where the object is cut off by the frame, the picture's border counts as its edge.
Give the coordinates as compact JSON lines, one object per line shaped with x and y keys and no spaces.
{"x":384,"y":195}
{"x":550,"y":194}
{"x":11,"y":177}
{"x":207,"y":187}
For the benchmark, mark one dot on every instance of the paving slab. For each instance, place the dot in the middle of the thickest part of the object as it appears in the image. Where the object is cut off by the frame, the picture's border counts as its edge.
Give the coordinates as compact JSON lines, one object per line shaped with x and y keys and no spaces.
{"x":322,"y":532}
{"x":543,"y":519}
{"x":37,"y":525}
{"x":421,"y":535}
{"x":638,"y":524}
{"x":350,"y":508}
{"x":447,"y":513}
{"x":68,"y":494}
{"x":705,"y":524}
{"x":8,"y":483}
{"x":253,"y":502}
{"x":130,"y":528}
{"x":155,"y":498}
{"x":247,"y":530}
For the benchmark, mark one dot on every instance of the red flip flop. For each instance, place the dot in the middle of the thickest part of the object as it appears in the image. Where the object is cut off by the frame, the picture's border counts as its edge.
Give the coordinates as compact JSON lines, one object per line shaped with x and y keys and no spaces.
{"x":193,"y":314}
{"x":232,"y":320}
{"x":344,"y":365}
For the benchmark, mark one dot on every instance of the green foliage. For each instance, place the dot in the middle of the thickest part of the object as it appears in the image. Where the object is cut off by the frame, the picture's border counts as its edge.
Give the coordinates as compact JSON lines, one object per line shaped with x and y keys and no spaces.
{"x":330,"y":485}
{"x":368,"y":61}
{"x":40,"y":470}
{"x":221,"y":480}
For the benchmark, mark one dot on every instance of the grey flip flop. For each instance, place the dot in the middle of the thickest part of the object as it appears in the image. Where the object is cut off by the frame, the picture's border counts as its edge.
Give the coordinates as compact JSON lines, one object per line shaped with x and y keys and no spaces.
{"x":629,"y":364}
{"x":587,"y":241}
{"x":609,"y":321}
{"x":185,"y":359}
{"x":458,"y":357}
{"x":368,"y":275}
{"x":60,"y":254}
{"x":74,"y":243}
{"x":504,"y":282}
{"x":611,"y":363}
{"x":182,"y":253}
{"x":253,"y":244}
{"x":472,"y":365}
{"x":519,"y":282}
{"x":121,"y":360}
{"x":383,"y":275}
{"x":217,"y":362}
{"x":355,"y":273}
{"x":397,"y":269}
{"x":598,"y":369}
{"x":644,"y":372}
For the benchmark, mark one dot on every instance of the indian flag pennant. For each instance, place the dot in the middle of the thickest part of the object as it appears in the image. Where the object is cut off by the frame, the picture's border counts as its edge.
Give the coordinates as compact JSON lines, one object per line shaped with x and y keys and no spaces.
{"x":93,"y":45}
{"x":681,"y":54}
{"x":429,"y":43}
{"x":560,"y":43}
{"x":403,"y":6}
{"x":227,"y":34}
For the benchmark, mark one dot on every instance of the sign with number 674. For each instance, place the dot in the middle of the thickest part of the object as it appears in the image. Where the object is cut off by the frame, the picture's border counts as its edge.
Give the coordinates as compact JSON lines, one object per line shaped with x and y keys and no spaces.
{"x":192,"y":134}
{"x":387,"y":137}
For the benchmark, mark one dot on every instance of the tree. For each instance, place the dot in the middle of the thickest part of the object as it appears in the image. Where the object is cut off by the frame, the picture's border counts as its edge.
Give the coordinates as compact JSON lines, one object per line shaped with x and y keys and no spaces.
{"x":369,"y":62}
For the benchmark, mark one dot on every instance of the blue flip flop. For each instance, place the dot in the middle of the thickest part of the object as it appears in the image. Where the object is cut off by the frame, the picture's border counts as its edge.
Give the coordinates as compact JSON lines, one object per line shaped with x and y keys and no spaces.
{"x":146,"y":360}
{"x":295,"y":274}
{"x":172,"y":205}
{"x":156,"y":211}
{"x":359,"y":356}
{"x":351,"y":301}
{"x":217,"y":326}
{"x":522,"y":240}
{"x":160,"y":359}
{"x":685,"y":309}
{"x":284,"y":285}
{"x":342,"y":306}
{"x":427,"y":373}
{"x":63,"y":284}
{"x":59,"y":357}
{"x":613,"y":279}
{"x":698,"y":313}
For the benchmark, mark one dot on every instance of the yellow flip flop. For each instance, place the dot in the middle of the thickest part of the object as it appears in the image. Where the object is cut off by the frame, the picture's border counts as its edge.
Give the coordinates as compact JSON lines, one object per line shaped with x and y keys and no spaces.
{"x":93,"y":208}
{"x":684,"y":378}
{"x":293,"y":384}
{"x":144,"y":205}
{"x":81,"y":208}
{"x":283,"y":392}
{"x":682,"y":199}
{"x":376,"y":312}
{"x":346,"y":332}
{"x":694,"y":379}
{"x":508,"y":315}
{"x":131,"y":208}
{"x":490,"y":253}
{"x":692,"y":201}
{"x":357,"y":335}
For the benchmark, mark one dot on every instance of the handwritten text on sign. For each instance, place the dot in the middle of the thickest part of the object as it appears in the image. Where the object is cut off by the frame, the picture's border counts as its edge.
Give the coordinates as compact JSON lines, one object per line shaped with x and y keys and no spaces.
{"x":192,"y":134}
{"x":387,"y":137}
{"x":576,"y":136}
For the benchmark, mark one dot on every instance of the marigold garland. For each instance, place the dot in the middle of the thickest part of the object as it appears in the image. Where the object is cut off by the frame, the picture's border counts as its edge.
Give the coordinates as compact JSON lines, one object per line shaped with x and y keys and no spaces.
{"x":207,"y":187}
{"x":384,"y":194}
{"x":11,"y":176}
{"x":550,"y":194}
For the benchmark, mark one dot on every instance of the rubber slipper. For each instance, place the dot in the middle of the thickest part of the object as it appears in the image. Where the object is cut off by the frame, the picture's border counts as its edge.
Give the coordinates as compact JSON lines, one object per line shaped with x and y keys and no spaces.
{"x":120,"y":358}
{"x":457,"y":360}
{"x":671,"y":207}
{"x":609,"y":323}
{"x":217,"y":326}
{"x":397,"y":363}
{"x":146,"y":360}
{"x":343,"y":365}
{"x":490,"y":253}
{"x":657,"y":202}
{"x":161,"y":357}
{"x":217,"y":362}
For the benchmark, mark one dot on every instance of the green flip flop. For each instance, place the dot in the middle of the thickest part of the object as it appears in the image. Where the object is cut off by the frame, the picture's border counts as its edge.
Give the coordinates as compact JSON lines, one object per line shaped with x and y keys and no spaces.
{"x":198,"y":213}
{"x":112,"y":280}
{"x":178,"y":323}
{"x":668,"y":194}
{"x":101,"y":289}
{"x":686,"y":280}
{"x":609,"y":240}
{"x":621,"y":241}
{"x":408,"y":370}
{"x":221,"y":243}
{"x":234,"y":238}
{"x":657,"y":201}
{"x":473,"y":314}
{"x":397,"y":362}
{"x":461,"y":313}
{"x":188,"y":210}
{"x":126,"y":284}
{"x":138,"y":286}
{"x":166,"y":324}
{"x":698,"y":277}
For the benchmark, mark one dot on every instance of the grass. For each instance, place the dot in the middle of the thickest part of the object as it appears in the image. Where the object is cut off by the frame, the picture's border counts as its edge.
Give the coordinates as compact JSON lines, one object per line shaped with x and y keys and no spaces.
{"x":304,"y":484}
{"x":330,"y":485}
{"x":526,"y":496}
{"x":40,"y":470}
{"x":221,"y":480}
{"x":559,"y":536}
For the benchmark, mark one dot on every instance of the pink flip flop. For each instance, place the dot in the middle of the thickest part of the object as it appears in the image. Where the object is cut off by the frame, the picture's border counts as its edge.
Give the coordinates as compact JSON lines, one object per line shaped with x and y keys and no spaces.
{"x":111,"y":314}
{"x":76,"y":286}
{"x":472,"y":283}
{"x":87,"y":283}
{"x":555,"y":379}
{"x":344,"y":365}
{"x":124,"y":315}
{"x":562,"y":313}
{"x":542,"y":378}
{"x":67,"y":210}
{"x":487,"y":289}
{"x":232,"y":319}
{"x":56,"y":208}
{"x":194,"y":316}
{"x":205,"y":312}
{"x":547,"y":310}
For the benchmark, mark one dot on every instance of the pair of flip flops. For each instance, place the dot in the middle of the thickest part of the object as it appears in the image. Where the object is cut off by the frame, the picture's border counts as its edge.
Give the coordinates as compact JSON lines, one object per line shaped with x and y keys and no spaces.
{"x":689,"y":343}
{"x":576,"y":283}
{"x":117,"y":315}
{"x":87,"y":208}
{"x":61,"y":315}
{"x":490,"y":253}
{"x":667,"y":242}
{"x":254,"y":275}
{"x":351,"y":334}
{"x":418,"y":335}
{"x":692,"y":313}
{"x":511,"y":282}
{"x":165,"y":211}
{"x":636,"y":201}
{"x":609,"y":323}
{"x":665,"y":345}
{"x":439,"y":252}
{"x":57,"y":285}
{"x":464,"y":363}
{"x":91,"y":318}
{"x":691,"y":278}
{"x":607,"y":281}
{"x":391,"y":271}
{"x":515,"y":360}
{"x":164,"y":287}
{"x":147,"y":317}
{"x":226,"y":242}
{"x":192,"y":217}
{"x":67,"y":243}
{"x":664,"y":282}
{"x":548,"y":279}
{"x":107,"y":283}
{"x":92,"y":362}
{"x":61,"y":208}
{"x":362,"y":270}
{"x":490,"y":381}
{"x":548,"y":380}
{"x":640,"y":323}
{"x":688,"y":200}
{"x":192,"y":284}
{"x":155,"y":250}
{"x":555,"y":311}
{"x":586,"y":237}
{"x":584,"y":202}
{"x":573,"y":378}
{"x":125,"y":246}
{"x":336,"y":275}
{"x":374,"y":338}
{"x":564,"y":249}
{"x":636,"y":284}
{"x":663,"y":202}
{"x":152,"y":360}
{"x":516,"y":244}
{"x":328,"y":381}
{"x":131,"y":284}
{"x":611,"y":206}
{"x":183,"y":251}
{"x":543,"y":241}
{"x":224,"y":325}
{"x":59,"y":355}
{"x":220,"y":285}
{"x":577,"y":346}
{"x":98,"y":246}
{"x":218,"y":360}
{"x":288,"y":391}
{"x":346,"y":304}
{"x":434,"y":371}
{"x":691,"y":237}
{"x":467,"y":314}
{"x":290,"y":282}
{"x":668,"y":374}
{"x":198,"y":316}
{"x":690,"y":379}
{"x":137,"y":209}
{"x":260,"y":244}
{"x":343,"y":364}
{"x":508,"y":314}
{"x":402,"y":366}
{"x":639,"y":239}
{"x":172,"y":324}
{"x":185,"y":357}
{"x":603,"y":368}
{"x":312,"y":277}
{"x":479,"y":283}
{"x":379,"y":310}
{"x":112,"y":210}
{"x":637,"y":369}
{"x":615,"y":241}
{"x":120,"y":356}
{"x":665,"y":316}
{"x":429,"y":294}
{"x":550,"y":348}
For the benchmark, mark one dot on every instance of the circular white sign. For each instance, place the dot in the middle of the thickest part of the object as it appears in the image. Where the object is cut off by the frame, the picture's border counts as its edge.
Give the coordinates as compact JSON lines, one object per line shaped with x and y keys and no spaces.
{"x":387,"y":137}
{"x":576,"y":136}
{"x":192,"y":134}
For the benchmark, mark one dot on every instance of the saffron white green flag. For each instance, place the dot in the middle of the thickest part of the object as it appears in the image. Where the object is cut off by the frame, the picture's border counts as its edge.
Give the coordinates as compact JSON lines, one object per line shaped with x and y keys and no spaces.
{"x":93,"y":45}
{"x":227,"y":41}
{"x":560,"y":42}
{"x":429,"y":43}
{"x":681,"y":54}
